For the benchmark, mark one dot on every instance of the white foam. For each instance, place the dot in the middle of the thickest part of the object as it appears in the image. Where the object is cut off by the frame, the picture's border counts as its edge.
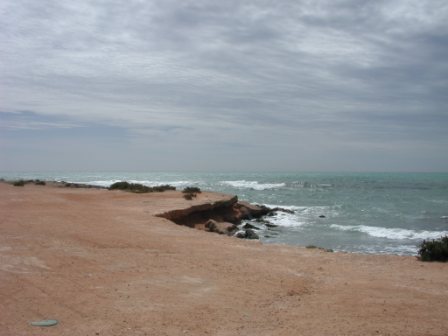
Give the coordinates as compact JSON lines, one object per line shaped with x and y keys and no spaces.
{"x":301,"y":216}
{"x":391,"y":233}
{"x":288,"y":207}
{"x":287,"y":219}
{"x":398,"y":250}
{"x":255,"y":185}
{"x":105,"y":184}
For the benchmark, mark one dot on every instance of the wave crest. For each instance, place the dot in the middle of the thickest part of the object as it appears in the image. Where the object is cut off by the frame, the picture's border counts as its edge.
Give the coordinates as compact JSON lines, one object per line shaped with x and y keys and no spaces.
{"x":391,"y":233}
{"x":255,"y":185}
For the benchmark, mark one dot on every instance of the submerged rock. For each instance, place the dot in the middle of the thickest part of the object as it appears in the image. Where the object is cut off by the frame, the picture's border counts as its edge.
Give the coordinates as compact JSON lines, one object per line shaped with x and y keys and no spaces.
{"x":250,"y":234}
{"x":246,"y":210}
{"x":250,"y":226}
{"x":247,"y":234}
{"x":240,"y":234}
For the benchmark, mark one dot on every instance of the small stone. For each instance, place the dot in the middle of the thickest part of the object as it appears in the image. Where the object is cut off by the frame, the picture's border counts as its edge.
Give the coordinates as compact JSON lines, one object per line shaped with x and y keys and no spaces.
{"x":250,"y":234}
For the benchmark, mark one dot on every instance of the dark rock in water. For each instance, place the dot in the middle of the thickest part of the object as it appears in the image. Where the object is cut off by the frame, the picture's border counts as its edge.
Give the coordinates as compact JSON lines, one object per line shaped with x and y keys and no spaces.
{"x":270,"y":225}
{"x":250,"y":226}
{"x":247,"y":234}
{"x":219,"y":227}
{"x":240,"y":234}
{"x":322,"y":216}
{"x":250,"y":234}
{"x":246,"y":210}
{"x":282,"y":210}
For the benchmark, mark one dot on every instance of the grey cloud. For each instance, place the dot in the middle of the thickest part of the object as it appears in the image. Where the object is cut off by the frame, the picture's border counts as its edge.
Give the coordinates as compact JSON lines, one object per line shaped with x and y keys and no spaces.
{"x":321,"y":72}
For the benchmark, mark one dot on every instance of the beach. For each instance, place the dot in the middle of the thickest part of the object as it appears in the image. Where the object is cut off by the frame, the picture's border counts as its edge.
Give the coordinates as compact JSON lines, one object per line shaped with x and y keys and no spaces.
{"x":103,"y":263}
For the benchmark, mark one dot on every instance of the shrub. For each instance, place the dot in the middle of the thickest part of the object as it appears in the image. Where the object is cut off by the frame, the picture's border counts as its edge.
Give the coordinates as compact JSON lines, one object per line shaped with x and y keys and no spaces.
{"x":190,"y":190}
{"x":139,"y":188}
{"x":120,"y":185}
{"x":189,"y":196}
{"x":19,"y":183}
{"x":434,"y":250}
{"x":162,"y":188}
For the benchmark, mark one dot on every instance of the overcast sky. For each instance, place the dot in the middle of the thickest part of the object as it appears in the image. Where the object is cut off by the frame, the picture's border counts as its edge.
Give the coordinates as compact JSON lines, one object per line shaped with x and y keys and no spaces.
{"x":224,"y":85}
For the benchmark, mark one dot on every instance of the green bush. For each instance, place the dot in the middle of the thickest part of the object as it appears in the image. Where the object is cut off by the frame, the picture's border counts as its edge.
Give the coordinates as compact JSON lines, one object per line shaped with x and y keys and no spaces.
{"x":139,"y":188}
{"x":120,"y":186}
{"x":189,"y":196}
{"x":190,"y":190}
{"x":19,"y":183}
{"x":163,"y":188}
{"x":434,"y":250}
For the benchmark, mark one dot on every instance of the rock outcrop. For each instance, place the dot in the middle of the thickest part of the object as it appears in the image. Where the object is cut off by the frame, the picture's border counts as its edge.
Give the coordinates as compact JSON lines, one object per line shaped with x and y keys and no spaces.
{"x":220,"y":227}
{"x":220,"y":211}
{"x":220,"y":217}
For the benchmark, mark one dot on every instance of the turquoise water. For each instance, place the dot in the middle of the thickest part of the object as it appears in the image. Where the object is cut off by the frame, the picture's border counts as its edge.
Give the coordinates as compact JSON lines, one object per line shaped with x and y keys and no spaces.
{"x":369,"y":213}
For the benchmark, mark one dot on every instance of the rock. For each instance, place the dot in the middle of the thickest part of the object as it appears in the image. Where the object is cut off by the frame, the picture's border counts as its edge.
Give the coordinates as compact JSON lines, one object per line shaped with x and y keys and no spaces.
{"x":250,"y":226}
{"x":248,"y":211}
{"x":240,"y":234}
{"x":220,"y":227}
{"x":270,"y":225}
{"x":282,"y":210}
{"x":246,"y":234}
{"x":322,"y":216}
{"x":250,"y":234}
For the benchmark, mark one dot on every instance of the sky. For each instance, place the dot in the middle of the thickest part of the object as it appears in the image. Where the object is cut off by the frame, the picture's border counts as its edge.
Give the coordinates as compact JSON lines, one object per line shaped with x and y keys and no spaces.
{"x":303,"y":85}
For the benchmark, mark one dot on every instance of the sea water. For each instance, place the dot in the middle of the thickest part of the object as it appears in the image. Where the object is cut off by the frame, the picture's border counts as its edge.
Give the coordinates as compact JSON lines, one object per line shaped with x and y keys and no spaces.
{"x":355,"y":212}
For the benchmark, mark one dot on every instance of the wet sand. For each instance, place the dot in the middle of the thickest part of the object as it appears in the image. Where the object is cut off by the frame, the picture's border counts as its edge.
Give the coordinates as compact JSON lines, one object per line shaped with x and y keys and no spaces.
{"x":101,"y":263}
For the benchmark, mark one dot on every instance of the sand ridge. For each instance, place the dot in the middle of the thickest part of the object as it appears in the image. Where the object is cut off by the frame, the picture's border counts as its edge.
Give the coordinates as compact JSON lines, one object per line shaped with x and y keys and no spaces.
{"x":102,"y":263}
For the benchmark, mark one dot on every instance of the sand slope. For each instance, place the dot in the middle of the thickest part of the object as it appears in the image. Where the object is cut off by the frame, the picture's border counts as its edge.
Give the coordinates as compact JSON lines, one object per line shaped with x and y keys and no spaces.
{"x":102,"y":264}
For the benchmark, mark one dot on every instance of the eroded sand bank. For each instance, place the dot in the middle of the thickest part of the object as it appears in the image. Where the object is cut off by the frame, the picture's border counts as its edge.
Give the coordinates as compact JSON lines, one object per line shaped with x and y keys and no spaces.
{"x":102,"y":263}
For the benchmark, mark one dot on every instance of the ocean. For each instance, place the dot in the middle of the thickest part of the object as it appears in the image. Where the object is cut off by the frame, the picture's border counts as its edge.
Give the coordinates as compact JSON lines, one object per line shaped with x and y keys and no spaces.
{"x":379,"y":213}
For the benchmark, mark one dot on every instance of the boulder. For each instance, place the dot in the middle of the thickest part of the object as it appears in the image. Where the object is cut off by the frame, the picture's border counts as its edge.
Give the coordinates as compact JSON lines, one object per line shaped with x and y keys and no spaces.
{"x":250,"y":234}
{"x":247,"y":234}
{"x":246,"y":210}
{"x":220,"y":227}
{"x":250,"y":226}
{"x":240,"y":234}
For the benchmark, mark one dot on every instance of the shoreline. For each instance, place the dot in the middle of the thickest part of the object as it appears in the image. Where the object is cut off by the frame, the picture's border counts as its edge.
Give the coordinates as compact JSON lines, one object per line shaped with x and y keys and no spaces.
{"x":102,"y":263}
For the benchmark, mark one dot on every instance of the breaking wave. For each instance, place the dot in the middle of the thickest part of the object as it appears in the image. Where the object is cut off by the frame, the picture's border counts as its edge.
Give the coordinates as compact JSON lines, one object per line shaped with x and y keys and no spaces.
{"x":391,"y":233}
{"x":255,"y":185}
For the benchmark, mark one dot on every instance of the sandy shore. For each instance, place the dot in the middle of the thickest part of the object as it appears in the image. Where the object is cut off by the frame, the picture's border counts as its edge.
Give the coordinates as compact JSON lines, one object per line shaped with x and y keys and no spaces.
{"x":101,"y":263}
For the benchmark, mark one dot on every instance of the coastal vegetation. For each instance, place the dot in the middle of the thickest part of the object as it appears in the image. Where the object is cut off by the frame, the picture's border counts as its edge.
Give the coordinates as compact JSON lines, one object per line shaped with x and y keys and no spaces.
{"x":189,"y":196}
{"x":434,"y":250}
{"x":191,"y":192}
{"x":139,"y":188}
{"x":21,"y":183}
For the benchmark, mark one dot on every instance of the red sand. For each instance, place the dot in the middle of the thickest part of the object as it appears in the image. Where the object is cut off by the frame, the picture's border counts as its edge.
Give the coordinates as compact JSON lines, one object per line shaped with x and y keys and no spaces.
{"x":101,"y":263}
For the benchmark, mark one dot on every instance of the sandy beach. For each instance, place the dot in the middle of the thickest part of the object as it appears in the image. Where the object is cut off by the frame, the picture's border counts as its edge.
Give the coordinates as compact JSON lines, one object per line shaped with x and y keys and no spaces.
{"x":102,"y":263}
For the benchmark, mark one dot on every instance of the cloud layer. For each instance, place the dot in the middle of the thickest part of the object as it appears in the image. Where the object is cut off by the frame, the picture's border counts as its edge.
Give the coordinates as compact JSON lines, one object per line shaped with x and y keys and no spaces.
{"x":296,"y":85}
